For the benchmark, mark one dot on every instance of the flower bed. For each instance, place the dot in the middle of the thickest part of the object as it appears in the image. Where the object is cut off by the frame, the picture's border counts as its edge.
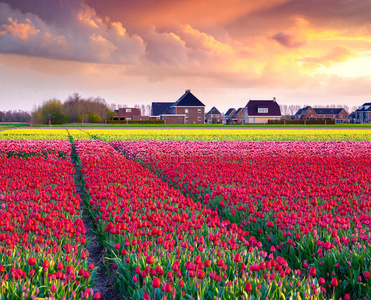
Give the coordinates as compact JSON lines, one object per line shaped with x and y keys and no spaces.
{"x":231,"y":134}
{"x":164,"y":244}
{"x":308,"y":202}
{"x":42,"y":237}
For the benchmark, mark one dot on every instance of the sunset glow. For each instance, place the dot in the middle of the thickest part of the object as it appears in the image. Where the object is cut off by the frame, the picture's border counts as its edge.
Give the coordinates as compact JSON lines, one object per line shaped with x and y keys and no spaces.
{"x":135,"y":52}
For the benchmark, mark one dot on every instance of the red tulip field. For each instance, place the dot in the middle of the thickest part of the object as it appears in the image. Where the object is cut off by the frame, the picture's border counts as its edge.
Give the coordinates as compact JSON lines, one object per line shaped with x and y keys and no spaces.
{"x":42,"y":237}
{"x":186,"y":219}
{"x":306,"y":202}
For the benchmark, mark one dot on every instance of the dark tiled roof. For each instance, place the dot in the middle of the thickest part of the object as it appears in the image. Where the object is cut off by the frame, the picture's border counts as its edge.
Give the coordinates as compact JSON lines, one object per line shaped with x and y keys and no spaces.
{"x":159,"y":108}
{"x":273,"y":108}
{"x":236,"y":113}
{"x":327,"y":111}
{"x":188,"y":99}
{"x":214,"y":111}
{"x":229,"y":111}
{"x":364,"y":107}
{"x":301,"y":110}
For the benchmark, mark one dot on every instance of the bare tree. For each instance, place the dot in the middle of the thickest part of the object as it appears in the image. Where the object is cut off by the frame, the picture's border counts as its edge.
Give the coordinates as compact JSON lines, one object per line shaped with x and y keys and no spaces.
{"x":148,"y":109}
{"x":143,"y":110}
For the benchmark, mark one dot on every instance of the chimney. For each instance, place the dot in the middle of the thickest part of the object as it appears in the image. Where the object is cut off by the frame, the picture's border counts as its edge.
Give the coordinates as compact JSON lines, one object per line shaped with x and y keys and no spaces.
{"x":188,"y":91}
{"x":274,"y":99}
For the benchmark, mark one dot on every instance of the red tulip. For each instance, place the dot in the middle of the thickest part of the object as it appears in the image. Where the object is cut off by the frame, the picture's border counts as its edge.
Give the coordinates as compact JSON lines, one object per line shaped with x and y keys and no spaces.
{"x":313,"y":271}
{"x":248,"y":287}
{"x":156,"y":282}
{"x":237,"y":258}
{"x":149,"y":260}
{"x":334,"y":282}
{"x":32,"y":261}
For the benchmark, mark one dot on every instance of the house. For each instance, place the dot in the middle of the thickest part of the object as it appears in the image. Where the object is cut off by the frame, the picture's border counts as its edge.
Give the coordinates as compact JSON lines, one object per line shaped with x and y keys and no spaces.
{"x":127,"y":113}
{"x":352,"y":117}
{"x":226,"y":118}
{"x":238,"y":117}
{"x":363,"y":113}
{"x":191,"y":107}
{"x":214,"y":116}
{"x":305,"y":113}
{"x":261,"y":111}
{"x":340,"y":115}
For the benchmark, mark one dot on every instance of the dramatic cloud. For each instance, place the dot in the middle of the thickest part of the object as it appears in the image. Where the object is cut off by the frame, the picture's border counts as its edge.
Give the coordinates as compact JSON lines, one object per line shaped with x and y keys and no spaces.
{"x":336,"y":55}
{"x":239,"y":48}
{"x":86,"y":38}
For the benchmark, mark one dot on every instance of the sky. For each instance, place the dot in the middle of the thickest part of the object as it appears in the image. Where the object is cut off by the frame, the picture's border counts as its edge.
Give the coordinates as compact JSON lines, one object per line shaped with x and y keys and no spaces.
{"x":304,"y":52}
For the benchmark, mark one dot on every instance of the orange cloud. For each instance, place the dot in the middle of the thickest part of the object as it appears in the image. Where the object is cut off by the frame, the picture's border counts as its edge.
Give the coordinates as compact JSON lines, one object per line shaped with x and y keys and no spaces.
{"x":336,"y":55}
{"x":20,"y":30}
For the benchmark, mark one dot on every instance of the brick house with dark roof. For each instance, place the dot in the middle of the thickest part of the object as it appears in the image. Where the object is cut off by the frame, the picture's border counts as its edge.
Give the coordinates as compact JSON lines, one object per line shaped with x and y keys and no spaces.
{"x":238,"y":117}
{"x":340,"y":115}
{"x":191,"y":107}
{"x":128,"y":113}
{"x":214,"y":116}
{"x":363,"y":113}
{"x":261,"y":111}
{"x":305,"y":113}
{"x":226,"y":118}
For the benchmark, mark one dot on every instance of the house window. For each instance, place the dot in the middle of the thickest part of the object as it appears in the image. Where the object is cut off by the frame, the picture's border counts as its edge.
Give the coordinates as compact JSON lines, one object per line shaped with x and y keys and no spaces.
{"x":128,"y":109}
{"x":199,"y":110}
{"x":253,"y":120}
{"x":199,"y":118}
{"x":186,"y":110}
{"x":186,"y":118}
{"x":262,"y":110}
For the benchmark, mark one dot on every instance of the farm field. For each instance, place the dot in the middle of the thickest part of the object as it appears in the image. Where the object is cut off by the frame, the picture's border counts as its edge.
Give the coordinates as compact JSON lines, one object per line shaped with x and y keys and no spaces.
{"x":42,"y":236}
{"x":187,"y":214}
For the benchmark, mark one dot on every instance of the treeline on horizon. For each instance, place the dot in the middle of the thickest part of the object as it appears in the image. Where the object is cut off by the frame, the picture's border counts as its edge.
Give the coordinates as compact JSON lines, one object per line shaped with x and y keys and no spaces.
{"x":75,"y":109}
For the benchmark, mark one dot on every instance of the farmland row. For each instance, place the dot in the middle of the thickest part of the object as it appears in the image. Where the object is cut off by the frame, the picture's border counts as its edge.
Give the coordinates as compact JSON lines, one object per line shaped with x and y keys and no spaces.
{"x":42,"y":236}
{"x":189,"y":134}
{"x":163,"y":244}
{"x":308,"y":202}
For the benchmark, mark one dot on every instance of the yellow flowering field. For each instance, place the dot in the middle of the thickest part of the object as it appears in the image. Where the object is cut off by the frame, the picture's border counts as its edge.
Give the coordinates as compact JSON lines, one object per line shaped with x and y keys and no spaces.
{"x":34,"y":134}
{"x":188,"y":134}
{"x":78,"y":134}
{"x":230,"y":134}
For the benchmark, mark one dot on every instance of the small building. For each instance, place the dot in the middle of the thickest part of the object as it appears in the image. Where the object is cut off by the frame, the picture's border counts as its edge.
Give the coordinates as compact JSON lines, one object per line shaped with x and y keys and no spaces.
{"x":340,"y":115}
{"x":305,"y":113}
{"x":214,"y":116}
{"x":363,"y":113}
{"x":227,"y":117}
{"x":238,"y":117}
{"x":191,"y":107}
{"x":261,"y":111}
{"x":127,"y":113}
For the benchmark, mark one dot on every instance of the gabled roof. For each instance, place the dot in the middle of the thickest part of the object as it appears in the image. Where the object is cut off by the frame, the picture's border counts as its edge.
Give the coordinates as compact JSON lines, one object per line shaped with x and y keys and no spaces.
{"x":327,"y":111}
{"x":214,"y":111}
{"x":301,"y":110}
{"x":236,"y":113}
{"x":188,"y":99}
{"x":273,"y":108}
{"x":364,"y":107}
{"x":229,"y":111}
{"x":159,"y":108}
